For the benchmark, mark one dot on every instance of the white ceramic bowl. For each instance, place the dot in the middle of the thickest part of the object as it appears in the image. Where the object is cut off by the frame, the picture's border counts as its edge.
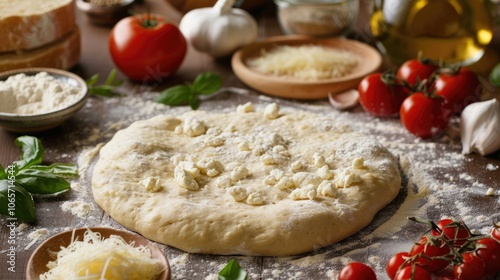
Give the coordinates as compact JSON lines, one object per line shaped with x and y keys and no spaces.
{"x":40,"y":122}
{"x":105,"y":15}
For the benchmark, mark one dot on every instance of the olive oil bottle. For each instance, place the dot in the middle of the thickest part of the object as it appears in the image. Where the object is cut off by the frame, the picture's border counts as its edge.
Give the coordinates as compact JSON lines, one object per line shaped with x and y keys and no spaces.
{"x":454,"y":31}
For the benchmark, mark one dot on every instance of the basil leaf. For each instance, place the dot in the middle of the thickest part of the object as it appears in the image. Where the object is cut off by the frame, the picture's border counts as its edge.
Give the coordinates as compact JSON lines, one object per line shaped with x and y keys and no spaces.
{"x":3,"y":175}
{"x":232,"y":271}
{"x":41,"y":182}
{"x":104,"y":90}
{"x":110,"y":80}
{"x":206,"y":83}
{"x":177,"y":95}
{"x":58,"y":169}
{"x":16,"y":202}
{"x":194,"y":102}
{"x":32,"y":151}
{"x":495,"y":75}
{"x":92,"y":80}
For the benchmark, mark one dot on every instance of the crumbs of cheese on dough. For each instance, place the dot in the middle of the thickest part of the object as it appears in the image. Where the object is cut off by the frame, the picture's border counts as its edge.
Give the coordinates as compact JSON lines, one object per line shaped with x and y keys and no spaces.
{"x":307,"y":62}
{"x":96,"y":257}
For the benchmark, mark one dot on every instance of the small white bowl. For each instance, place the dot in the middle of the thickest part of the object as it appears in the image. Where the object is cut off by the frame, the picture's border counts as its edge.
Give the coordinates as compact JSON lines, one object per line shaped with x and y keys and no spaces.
{"x":105,"y":15}
{"x":40,"y":122}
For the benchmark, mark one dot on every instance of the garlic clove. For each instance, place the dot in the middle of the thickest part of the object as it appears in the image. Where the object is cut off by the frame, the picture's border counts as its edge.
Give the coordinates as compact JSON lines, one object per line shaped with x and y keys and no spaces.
{"x":344,"y":100}
{"x":480,"y":127}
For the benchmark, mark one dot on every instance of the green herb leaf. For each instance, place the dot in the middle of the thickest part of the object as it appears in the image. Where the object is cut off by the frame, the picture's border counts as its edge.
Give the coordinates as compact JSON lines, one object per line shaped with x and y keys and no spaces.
{"x":32,"y":151}
{"x":232,"y":271}
{"x":107,"y":88}
{"x":177,"y":95}
{"x":495,"y":75}
{"x":58,"y":169}
{"x":16,"y":202}
{"x":41,"y":182}
{"x":3,"y":175}
{"x":206,"y":83}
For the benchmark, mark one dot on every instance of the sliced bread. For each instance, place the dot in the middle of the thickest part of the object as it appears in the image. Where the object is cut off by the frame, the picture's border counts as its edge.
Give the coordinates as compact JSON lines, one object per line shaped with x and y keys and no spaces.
{"x":29,"y":24}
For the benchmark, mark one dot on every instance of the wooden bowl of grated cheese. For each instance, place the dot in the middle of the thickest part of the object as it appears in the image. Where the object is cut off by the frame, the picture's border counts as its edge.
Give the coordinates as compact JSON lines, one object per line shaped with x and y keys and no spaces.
{"x":300,"y":67}
{"x":98,"y":252}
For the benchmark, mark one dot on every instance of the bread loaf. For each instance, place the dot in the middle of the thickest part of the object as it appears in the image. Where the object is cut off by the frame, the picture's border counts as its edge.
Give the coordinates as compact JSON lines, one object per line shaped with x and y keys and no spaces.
{"x":63,"y":54}
{"x":29,"y":24}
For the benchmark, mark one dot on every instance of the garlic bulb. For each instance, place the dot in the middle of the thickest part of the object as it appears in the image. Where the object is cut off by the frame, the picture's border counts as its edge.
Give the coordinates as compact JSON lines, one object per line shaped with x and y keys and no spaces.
{"x":219,"y":30}
{"x":480,"y":127}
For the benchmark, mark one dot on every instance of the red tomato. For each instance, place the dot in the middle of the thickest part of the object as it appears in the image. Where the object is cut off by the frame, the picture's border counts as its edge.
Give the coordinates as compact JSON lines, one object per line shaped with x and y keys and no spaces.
{"x":396,"y":263}
{"x":472,"y":268}
{"x":424,"y":116}
{"x":146,"y":47}
{"x":413,"y":272}
{"x":459,"y":90}
{"x":415,"y":70}
{"x":455,"y":232}
{"x":488,"y":250}
{"x":495,"y":233}
{"x":378,"y":98}
{"x":357,"y":271}
{"x":432,"y":254}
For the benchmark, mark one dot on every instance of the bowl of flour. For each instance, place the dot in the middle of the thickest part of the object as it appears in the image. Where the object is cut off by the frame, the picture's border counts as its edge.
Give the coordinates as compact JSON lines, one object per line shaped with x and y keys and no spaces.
{"x":38,"y":99}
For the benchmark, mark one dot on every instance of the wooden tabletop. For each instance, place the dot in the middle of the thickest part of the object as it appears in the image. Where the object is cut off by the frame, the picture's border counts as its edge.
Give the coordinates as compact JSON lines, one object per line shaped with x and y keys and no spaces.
{"x":439,"y":180}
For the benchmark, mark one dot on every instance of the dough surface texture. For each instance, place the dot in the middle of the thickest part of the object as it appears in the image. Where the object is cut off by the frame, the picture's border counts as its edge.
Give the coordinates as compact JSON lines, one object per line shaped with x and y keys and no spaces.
{"x":266,"y":183}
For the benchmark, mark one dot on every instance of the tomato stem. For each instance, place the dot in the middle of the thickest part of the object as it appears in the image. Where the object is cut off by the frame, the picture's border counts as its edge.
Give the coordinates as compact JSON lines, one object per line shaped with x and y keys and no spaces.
{"x":150,"y":20}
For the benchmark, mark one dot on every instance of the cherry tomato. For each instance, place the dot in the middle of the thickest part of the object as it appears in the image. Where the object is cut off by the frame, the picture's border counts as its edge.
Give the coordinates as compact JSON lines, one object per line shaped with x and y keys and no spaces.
{"x":459,"y":90}
{"x":488,"y":250}
{"x":455,"y":232}
{"x":379,"y":98}
{"x":396,"y":263}
{"x":432,"y":254}
{"x":413,"y":272}
{"x":424,"y":116}
{"x":495,"y":233}
{"x":416,"y":70}
{"x":147,"y":47}
{"x":357,"y":271}
{"x":472,"y":268}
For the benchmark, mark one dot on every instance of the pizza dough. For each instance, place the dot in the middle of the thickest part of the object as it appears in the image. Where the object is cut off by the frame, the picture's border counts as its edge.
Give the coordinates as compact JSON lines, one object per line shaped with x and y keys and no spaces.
{"x":264,"y":183}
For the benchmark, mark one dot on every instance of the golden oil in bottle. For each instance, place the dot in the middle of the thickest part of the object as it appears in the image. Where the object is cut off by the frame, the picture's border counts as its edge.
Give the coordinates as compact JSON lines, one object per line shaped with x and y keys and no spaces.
{"x":454,"y":31}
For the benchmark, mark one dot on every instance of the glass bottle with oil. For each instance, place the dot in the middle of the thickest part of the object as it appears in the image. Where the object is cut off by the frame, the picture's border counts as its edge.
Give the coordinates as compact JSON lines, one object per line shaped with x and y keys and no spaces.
{"x":452,"y":31}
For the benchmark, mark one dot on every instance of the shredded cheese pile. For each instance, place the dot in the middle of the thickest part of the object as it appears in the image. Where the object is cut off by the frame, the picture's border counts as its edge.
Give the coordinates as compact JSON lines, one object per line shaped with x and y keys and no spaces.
{"x":305,"y":62}
{"x":98,"y":258}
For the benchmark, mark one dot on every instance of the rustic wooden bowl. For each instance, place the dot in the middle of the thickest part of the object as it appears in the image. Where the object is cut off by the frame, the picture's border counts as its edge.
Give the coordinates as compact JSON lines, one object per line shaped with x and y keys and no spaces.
{"x":37,"y":264}
{"x":369,"y":61}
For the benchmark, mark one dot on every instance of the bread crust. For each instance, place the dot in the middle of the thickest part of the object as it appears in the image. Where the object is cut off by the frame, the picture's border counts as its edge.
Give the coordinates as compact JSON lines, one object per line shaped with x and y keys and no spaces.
{"x":62,"y":54}
{"x":27,"y":32}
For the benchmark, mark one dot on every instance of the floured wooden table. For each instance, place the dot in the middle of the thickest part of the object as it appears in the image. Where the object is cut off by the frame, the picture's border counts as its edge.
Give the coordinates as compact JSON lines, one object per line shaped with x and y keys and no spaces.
{"x":438,"y":181}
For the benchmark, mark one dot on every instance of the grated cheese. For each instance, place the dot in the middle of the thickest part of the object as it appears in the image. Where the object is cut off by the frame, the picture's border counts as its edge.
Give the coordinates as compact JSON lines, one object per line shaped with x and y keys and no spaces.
{"x":307,"y":62}
{"x":98,"y":258}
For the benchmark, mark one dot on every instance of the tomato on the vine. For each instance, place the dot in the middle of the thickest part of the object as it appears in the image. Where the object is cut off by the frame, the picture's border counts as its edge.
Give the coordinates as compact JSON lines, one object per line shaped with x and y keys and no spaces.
{"x":380,"y":98}
{"x":433,"y":254}
{"x":414,"y":71}
{"x":458,"y":88}
{"x":147,"y":47}
{"x":472,"y":267}
{"x":424,"y":116}
{"x":453,"y":231}
{"x":488,"y":250}
{"x":357,"y":271}
{"x":495,"y":233}
{"x":395,"y":263}
{"x":413,"y":272}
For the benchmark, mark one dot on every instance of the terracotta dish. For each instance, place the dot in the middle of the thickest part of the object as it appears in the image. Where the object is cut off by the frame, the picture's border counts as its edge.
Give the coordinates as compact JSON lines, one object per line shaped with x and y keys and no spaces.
{"x":37,"y":263}
{"x":369,"y":61}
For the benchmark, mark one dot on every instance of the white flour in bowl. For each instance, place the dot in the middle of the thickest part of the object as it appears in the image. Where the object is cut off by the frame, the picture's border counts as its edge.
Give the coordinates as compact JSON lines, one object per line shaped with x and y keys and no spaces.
{"x":31,"y":95}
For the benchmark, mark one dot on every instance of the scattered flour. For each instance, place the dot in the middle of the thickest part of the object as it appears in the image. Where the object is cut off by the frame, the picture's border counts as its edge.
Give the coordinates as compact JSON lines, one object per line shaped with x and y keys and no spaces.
{"x":34,"y":236}
{"x":78,"y":208}
{"x":41,"y":93}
